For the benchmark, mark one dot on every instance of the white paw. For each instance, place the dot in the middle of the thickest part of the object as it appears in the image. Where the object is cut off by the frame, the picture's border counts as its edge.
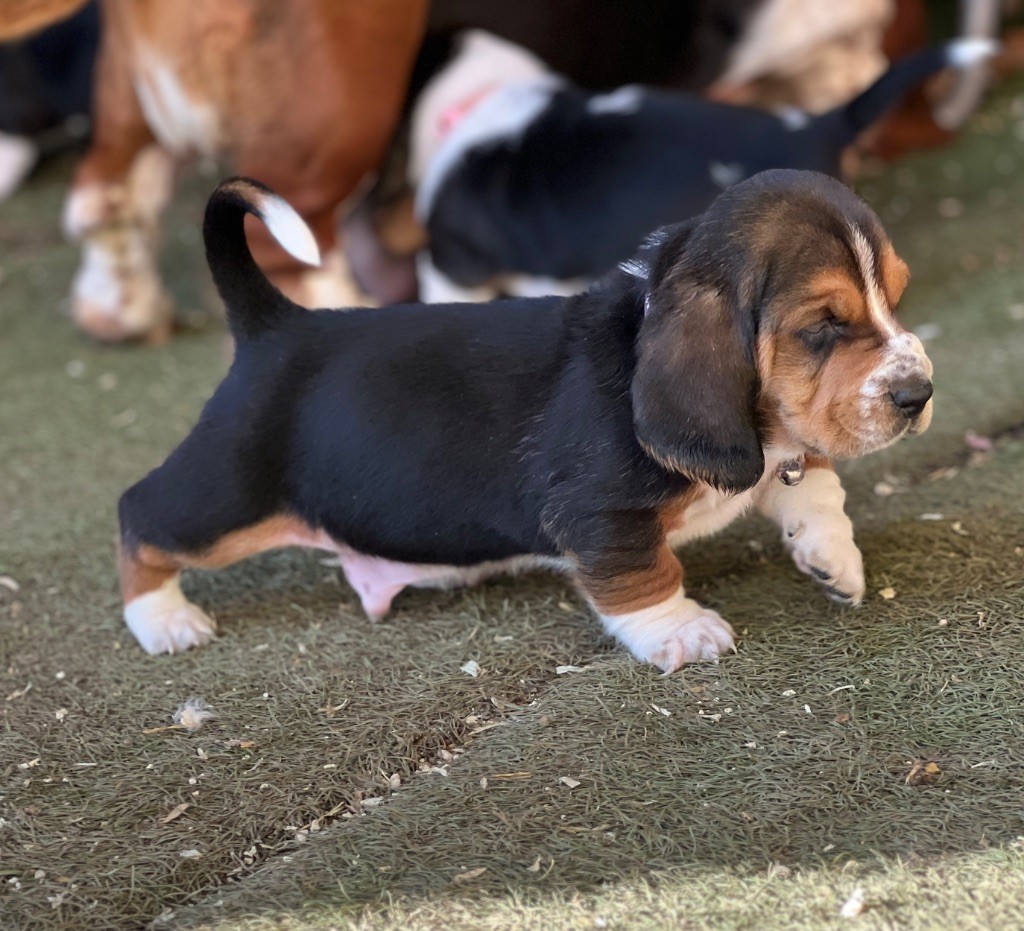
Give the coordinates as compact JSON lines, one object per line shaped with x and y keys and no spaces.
{"x":674,"y":633}
{"x":827,"y":553}
{"x":117,"y":293}
{"x":163,"y":621}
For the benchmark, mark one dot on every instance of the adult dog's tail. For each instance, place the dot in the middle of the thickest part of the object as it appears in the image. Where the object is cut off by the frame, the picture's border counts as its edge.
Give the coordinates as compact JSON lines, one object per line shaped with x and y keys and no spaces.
{"x":845,"y":123}
{"x":253,"y":303}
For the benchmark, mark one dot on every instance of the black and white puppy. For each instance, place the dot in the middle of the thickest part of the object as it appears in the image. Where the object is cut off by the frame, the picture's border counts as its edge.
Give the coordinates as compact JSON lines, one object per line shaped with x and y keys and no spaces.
{"x":528,"y":185}
{"x":434,"y":445}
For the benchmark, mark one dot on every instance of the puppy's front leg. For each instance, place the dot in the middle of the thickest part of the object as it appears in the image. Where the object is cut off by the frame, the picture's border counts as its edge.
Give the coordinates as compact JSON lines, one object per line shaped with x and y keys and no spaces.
{"x":639,"y":596}
{"x":817,"y":531}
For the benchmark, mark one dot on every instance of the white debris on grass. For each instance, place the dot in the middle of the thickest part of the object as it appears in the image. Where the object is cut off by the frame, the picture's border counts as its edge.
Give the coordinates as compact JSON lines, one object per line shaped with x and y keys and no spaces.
{"x":193,"y":714}
{"x":854,"y":905}
{"x":471,"y":668}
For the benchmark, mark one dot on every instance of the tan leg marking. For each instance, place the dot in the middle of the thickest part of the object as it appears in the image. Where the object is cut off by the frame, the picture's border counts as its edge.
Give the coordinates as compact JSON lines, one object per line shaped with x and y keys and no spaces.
{"x":155,"y":609}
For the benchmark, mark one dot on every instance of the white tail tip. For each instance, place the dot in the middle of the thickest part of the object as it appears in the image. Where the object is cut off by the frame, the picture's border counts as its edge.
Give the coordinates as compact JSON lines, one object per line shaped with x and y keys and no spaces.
{"x":964,"y":52}
{"x":288,"y":228}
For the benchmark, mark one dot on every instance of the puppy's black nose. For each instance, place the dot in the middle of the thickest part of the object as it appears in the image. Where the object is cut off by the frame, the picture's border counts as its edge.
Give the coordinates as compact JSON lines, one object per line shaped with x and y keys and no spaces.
{"x":911,"y":396}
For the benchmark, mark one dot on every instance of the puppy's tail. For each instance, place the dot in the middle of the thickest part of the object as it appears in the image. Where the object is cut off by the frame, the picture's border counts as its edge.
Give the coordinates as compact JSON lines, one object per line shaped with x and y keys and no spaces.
{"x":253,"y":303}
{"x":847,"y":122}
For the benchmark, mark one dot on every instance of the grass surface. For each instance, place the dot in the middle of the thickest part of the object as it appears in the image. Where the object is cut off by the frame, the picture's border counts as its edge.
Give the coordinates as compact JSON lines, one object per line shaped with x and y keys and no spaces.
{"x":774,"y":787}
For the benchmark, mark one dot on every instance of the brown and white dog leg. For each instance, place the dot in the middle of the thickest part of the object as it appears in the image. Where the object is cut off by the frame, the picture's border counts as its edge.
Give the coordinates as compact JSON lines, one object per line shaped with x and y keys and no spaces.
{"x":648,"y":612}
{"x":816,"y":530}
{"x":120,"y":190}
{"x":117,"y":293}
{"x":155,"y":608}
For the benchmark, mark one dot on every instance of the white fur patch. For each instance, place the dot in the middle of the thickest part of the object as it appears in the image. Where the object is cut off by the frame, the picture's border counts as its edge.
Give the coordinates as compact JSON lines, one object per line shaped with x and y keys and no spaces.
{"x":287,"y":227}
{"x":182,"y":125}
{"x":17,"y":157}
{"x":793,"y":118}
{"x":878,"y":306}
{"x":670,"y":634}
{"x":725,"y":176}
{"x":622,"y":100}
{"x":164,"y":621}
{"x":965,"y":52}
{"x":636,"y":268}
{"x":438,"y":288}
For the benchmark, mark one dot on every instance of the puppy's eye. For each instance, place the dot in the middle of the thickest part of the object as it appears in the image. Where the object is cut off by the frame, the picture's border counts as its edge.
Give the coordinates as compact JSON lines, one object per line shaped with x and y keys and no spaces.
{"x":821,"y":336}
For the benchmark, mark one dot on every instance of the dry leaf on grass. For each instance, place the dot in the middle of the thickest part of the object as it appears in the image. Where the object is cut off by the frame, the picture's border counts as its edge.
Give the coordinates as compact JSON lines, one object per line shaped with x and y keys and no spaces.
{"x":176,"y":812}
{"x":190,"y":854}
{"x":887,"y":593}
{"x":922,"y":773}
{"x":471,"y":668}
{"x":563,"y":670}
{"x":535,"y":866}
{"x":569,"y":781}
{"x":470,"y":874}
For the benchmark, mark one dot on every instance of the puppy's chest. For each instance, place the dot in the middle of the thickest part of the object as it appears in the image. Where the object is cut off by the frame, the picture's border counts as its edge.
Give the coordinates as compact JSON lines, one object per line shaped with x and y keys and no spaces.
{"x":710,"y":510}
{"x":706,"y":514}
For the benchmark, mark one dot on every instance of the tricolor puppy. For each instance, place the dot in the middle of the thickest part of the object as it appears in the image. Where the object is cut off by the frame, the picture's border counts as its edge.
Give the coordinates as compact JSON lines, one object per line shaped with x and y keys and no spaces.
{"x":433,"y":445}
{"x":528,"y":185}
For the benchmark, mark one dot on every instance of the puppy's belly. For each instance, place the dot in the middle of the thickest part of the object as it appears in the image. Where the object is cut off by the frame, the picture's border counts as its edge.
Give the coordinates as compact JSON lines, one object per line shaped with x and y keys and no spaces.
{"x":377,"y":581}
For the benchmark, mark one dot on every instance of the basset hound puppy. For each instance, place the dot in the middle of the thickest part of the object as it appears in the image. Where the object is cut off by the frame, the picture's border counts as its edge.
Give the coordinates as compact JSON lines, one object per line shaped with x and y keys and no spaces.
{"x":528,"y":185}
{"x":435,"y":445}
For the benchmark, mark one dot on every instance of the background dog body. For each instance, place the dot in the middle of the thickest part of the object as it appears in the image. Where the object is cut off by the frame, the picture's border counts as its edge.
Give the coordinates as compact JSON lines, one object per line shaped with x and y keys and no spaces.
{"x":279,"y":89}
{"x":541,"y":180}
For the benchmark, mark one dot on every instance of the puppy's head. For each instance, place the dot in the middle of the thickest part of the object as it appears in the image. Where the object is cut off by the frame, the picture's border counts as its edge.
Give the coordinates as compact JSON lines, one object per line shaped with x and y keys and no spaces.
{"x":770,"y":319}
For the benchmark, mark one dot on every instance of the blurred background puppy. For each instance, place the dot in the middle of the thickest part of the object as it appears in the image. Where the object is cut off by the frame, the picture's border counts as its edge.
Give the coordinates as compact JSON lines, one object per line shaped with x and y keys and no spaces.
{"x":529,"y":185}
{"x":306,"y":96}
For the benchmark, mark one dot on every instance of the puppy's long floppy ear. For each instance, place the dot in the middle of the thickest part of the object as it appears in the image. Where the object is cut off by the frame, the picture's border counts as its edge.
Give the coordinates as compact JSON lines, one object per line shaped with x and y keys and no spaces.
{"x":695,"y":386}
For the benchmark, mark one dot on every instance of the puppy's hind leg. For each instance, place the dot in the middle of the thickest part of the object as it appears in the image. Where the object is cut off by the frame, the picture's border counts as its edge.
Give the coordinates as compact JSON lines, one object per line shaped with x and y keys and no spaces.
{"x":156,"y":611}
{"x":194,"y":511}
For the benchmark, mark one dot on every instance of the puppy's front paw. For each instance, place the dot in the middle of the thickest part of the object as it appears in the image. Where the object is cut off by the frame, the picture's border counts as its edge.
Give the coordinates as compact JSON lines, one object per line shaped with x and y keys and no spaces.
{"x":828,"y":554}
{"x":674,"y":633}
{"x":163,"y":621}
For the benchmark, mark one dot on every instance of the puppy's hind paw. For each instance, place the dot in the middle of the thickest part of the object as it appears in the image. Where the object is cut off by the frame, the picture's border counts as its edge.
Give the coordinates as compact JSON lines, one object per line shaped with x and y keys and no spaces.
{"x":163,"y":621}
